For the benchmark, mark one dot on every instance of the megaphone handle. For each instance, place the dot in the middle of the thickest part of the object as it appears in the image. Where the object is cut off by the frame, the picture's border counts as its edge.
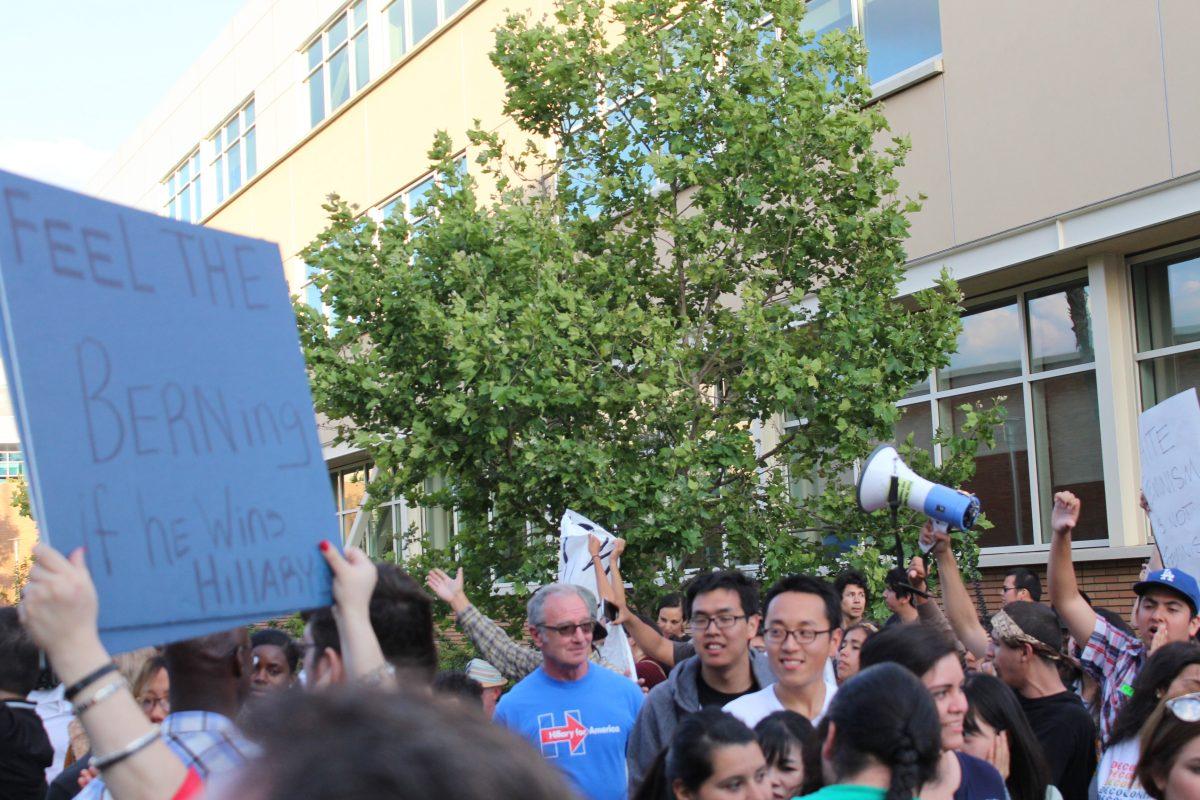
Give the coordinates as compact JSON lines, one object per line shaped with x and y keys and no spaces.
{"x":894,"y":507}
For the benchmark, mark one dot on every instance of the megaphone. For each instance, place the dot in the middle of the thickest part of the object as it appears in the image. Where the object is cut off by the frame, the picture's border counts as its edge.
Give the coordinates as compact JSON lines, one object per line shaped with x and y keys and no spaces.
{"x":940,"y":503}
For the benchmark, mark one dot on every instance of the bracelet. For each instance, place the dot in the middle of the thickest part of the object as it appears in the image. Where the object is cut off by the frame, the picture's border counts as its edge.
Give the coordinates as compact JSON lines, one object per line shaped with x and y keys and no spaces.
{"x":88,"y":680}
{"x":138,"y":744}
{"x":377,"y":676}
{"x":103,"y":694}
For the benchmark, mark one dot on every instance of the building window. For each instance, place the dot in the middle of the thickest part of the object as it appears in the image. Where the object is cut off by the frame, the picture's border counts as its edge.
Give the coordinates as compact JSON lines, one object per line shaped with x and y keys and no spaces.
{"x":410,"y":21}
{"x":1166,"y":296}
{"x":899,"y":34}
{"x":12,"y":463}
{"x":234,"y":158}
{"x":183,"y":190}
{"x":349,"y":492}
{"x":338,"y":60}
{"x":1032,"y":347}
{"x":437,"y":522}
{"x":411,"y":201}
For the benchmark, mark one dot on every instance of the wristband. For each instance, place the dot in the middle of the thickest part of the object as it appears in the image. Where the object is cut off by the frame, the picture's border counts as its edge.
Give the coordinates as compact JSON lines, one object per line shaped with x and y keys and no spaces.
{"x":87,"y":680}
{"x":103,"y":694}
{"x":138,"y":744}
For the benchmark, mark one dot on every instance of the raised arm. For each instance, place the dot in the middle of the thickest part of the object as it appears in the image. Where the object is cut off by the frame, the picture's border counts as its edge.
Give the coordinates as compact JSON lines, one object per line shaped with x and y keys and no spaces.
{"x":59,"y":609}
{"x":604,"y":588}
{"x":959,"y":608}
{"x":653,"y":643}
{"x":354,"y":578}
{"x":614,"y":563}
{"x":1060,"y":572}
{"x":493,"y":642}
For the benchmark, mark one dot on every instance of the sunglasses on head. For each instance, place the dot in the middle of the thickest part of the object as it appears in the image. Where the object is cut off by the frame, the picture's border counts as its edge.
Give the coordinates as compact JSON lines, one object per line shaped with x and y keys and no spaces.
{"x":1186,"y":707}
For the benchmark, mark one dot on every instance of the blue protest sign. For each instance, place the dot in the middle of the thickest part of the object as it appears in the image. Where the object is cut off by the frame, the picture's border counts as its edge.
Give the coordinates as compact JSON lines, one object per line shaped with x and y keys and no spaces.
{"x":165,"y":413}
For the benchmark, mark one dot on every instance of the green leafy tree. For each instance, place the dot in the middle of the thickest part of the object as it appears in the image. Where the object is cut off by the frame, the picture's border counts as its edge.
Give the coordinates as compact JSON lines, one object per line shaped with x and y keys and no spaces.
{"x":702,"y":229}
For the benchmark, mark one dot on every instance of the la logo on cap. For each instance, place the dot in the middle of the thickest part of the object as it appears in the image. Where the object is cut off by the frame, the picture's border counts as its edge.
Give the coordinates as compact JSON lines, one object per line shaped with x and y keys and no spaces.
{"x":1167,"y":576}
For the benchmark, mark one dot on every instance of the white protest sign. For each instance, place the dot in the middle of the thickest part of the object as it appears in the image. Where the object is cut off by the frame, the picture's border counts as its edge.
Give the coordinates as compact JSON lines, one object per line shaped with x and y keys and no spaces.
{"x":575,"y":567}
{"x":1169,"y":443}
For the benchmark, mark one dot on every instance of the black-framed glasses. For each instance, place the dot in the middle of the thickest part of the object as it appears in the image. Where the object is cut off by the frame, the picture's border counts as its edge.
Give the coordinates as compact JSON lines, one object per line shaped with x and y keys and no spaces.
{"x":568,"y":629}
{"x":148,"y":703}
{"x":1186,"y":707}
{"x":700,"y":622}
{"x":779,"y":635}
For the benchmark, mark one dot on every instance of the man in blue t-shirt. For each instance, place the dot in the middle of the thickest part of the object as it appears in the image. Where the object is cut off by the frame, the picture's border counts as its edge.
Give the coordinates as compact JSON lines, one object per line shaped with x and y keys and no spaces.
{"x":577,"y":714}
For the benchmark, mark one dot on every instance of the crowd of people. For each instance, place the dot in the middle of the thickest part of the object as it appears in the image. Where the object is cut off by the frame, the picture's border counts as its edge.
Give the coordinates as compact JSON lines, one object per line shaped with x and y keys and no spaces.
{"x":737,"y":692}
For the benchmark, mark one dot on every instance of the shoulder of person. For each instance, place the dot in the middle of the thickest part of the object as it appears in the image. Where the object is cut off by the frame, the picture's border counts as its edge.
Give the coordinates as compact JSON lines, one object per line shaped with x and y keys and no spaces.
{"x":981,"y":779}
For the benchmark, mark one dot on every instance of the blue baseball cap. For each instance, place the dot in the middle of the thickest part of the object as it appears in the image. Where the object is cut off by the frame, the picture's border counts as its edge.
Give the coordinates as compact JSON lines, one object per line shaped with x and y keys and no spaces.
{"x":1175,"y":579}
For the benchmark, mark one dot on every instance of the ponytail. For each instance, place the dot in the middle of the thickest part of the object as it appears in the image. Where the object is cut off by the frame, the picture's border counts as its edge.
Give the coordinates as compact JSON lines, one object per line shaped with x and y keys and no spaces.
{"x":906,"y":771}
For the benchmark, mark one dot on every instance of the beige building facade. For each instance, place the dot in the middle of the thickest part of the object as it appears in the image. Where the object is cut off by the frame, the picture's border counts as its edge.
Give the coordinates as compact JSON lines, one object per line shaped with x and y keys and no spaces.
{"x":1056,"y":144}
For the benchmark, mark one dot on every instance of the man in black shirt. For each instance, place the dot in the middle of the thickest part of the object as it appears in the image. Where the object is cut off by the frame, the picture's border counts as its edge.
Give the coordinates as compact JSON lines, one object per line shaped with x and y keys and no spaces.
{"x":1028,"y":646}
{"x":25,"y":750}
{"x":722,"y":612}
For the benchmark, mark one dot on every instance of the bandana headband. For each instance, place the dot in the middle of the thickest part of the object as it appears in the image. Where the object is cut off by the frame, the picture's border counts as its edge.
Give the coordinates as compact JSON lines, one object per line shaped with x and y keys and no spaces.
{"x":1005,"y":629}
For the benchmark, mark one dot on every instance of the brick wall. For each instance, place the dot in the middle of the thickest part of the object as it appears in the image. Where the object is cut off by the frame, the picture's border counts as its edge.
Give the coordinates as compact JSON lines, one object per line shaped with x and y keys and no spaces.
{"x":1106,"y":582}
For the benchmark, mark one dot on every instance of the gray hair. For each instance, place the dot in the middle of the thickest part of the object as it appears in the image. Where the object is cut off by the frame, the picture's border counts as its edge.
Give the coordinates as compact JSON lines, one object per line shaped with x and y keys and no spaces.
{"x":536,"y":610}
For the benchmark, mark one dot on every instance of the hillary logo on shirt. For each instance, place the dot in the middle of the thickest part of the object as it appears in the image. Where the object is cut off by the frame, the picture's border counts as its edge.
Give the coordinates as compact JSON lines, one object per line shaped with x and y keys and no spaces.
{"x":562,"y":739}
{"x":568,"y":738}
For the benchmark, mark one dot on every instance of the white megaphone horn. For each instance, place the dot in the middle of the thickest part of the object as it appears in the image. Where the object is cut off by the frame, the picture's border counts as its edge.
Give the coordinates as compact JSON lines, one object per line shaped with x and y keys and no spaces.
{"x":941,"y":503}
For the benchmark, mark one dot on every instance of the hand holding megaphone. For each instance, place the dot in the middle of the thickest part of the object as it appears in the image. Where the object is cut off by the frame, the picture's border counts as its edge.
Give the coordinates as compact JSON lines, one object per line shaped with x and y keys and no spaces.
{"x":935,"y":536}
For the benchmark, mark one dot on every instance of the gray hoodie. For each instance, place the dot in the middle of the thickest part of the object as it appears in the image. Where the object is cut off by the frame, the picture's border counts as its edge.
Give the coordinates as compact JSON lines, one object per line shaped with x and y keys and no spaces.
{"x":666,"y":705}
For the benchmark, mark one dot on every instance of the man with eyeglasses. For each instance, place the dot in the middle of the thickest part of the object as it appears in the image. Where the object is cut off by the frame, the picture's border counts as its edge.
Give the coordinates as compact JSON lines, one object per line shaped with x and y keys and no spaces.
{"x":1020,"y":584}
{"x":722,"y":612}
{"x":802,"y":632}
{"x":578,"y":715}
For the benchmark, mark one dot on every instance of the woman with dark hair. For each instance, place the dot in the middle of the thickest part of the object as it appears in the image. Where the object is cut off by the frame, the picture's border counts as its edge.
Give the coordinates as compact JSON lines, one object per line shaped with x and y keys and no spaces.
{"x":1173,"y":670}
{"x":1169,"y":767}
{"x":712,"y":756}
{"x":782,"y":736}
{"x":929,"y":655}
{"x":883,"y":740}
{"x":848,"y":651}
{"x":995,"y":724}
{"x":276,"y":657}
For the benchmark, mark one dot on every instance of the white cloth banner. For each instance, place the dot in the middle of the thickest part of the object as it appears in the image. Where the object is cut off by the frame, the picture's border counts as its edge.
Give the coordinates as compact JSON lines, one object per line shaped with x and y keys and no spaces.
{"x":1169,"y":444}
{"x":575,"y":566}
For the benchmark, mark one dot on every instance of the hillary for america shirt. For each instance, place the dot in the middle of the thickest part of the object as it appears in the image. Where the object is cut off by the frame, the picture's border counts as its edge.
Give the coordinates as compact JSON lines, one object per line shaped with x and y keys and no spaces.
{"x":579,"y":726}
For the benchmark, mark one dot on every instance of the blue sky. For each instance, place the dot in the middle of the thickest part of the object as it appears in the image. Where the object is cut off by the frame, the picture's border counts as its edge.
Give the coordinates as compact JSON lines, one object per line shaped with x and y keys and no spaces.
{"x":78,"y":75}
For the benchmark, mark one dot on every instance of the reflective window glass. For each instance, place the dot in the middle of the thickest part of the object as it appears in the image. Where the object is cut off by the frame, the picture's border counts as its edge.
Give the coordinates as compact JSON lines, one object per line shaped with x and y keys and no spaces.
{"x":1168,"y":376}
{"x":337,"y":33}
{"x":916,"y":420}
{"x":424,"y":18}
{"x":1066,"y":422}
{"x":218,"y":169}
{"x":989,"y":348}
{"x":251,"y":156}
{"x":1001,"y":472}
{"x":315,"y":54}
{"x":900,"y":34}
{"x":248,"y":113}
{"x":823,"y":16}
{"x":454,"y":5}
{"x":359,"y":13}
{"x":1060,"y":328}
{"x":339,"y":78}
{"x":362,"y":64}
{"x":1167,"y":297}
{"x":397,"y":44}
{"x":316,"y":96}
{"x":235,"y":167}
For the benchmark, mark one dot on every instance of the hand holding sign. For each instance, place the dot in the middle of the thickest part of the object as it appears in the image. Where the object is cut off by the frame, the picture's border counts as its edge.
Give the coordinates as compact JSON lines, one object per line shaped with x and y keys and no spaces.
{"x":1169,"y":446}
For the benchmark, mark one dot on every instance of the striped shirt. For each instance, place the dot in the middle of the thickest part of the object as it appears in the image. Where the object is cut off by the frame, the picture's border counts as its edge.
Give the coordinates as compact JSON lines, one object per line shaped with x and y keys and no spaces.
{"x":1114,"y":659}
{"x":204,"y":741}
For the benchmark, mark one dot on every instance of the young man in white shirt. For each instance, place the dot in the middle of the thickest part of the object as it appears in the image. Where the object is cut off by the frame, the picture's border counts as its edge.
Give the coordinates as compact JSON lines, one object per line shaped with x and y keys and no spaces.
{"x":802,"y":632}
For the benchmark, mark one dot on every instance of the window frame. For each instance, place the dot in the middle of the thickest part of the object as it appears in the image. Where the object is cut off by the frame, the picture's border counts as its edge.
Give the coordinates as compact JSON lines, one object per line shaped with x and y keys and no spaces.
{"x":354,"y":33}
{"x":193,"y":184}
{"x":409,"y":44}
{"x":218,"y":163}
{"x":1020,"y":295}
{"x":1164,"y":255}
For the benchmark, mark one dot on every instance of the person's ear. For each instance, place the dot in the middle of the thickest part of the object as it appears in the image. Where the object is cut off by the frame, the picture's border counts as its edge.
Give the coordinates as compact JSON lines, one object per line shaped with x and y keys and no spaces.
{"x":1194,"y":626}
{"x":680,"y":791}
{"x":753,"y":623}
{"x":330,"y":670}
{"x":535,"y":633}
{"x":827,"y":745}
{"x":835,"y":639}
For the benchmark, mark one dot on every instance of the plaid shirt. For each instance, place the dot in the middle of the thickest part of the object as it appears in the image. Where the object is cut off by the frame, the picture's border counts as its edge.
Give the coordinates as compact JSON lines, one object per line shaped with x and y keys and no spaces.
{"x":203,"y":740}
{"x":495,"y":646}
{"x":1114,"y":659}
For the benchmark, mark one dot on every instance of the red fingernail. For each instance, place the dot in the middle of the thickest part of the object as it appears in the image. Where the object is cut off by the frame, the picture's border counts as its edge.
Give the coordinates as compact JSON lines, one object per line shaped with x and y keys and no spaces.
{"x":324,"y":545}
